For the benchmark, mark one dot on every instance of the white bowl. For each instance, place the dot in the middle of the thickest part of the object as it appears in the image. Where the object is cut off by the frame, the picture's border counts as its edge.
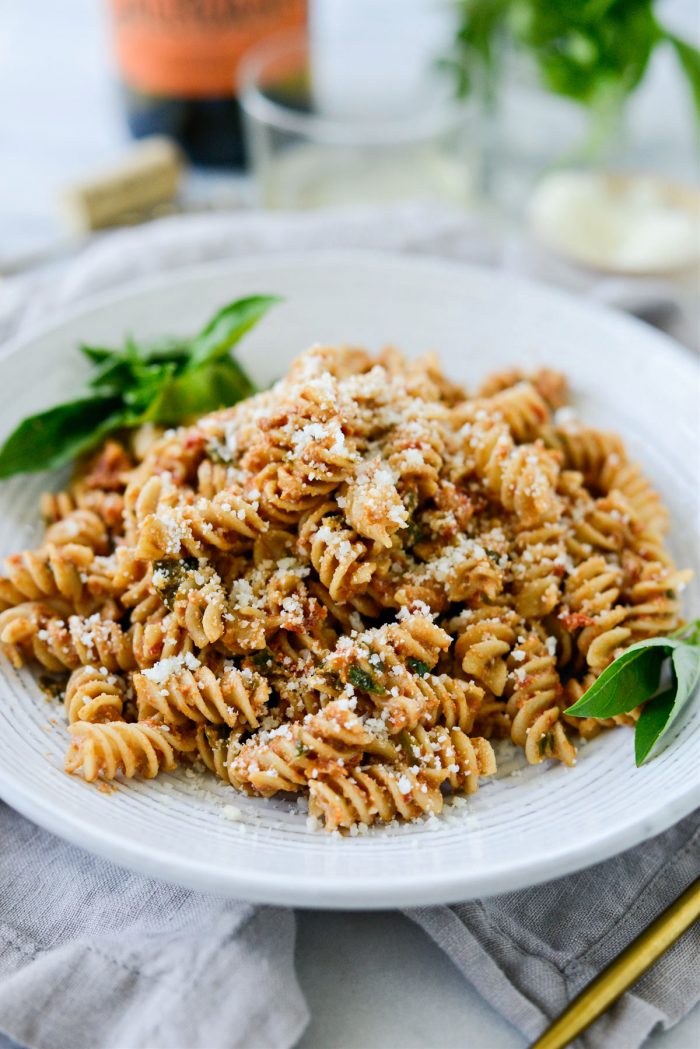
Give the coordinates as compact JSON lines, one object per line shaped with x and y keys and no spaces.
{"x":516,"y":831}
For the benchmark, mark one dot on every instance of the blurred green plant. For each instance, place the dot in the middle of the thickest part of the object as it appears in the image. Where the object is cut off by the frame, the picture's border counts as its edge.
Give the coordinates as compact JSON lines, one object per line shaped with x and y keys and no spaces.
{"x":595,"y":51}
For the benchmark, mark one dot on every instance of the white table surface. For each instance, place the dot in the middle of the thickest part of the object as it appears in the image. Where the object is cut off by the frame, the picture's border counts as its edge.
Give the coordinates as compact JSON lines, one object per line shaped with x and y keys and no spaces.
{"x":372,"y":980}
{"x":377,"y":981}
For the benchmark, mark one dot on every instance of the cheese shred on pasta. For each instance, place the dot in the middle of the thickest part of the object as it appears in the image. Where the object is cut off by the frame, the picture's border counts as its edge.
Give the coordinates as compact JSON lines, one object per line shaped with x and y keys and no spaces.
{"x":345,"y":587}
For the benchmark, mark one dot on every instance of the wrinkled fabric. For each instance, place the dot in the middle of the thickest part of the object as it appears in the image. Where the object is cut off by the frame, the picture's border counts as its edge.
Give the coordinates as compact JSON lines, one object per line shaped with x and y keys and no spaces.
{"x":530,"y":952}
{"x":95,"y":957}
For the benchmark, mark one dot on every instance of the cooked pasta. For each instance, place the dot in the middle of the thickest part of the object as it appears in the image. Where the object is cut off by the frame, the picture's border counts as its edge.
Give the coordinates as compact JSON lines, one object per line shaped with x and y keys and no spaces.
{"x":349,"y":587}
{"x":92,"y":695}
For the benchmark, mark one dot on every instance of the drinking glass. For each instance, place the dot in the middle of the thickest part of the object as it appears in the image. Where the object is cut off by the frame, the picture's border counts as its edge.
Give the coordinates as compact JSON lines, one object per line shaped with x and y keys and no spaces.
{"x":314,"y":141}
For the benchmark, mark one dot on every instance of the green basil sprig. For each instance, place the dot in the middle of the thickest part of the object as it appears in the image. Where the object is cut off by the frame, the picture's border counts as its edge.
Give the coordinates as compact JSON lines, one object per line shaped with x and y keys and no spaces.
{"x":634,"y":677}
{"x":166,"y":382}
{"x":594,"y":51}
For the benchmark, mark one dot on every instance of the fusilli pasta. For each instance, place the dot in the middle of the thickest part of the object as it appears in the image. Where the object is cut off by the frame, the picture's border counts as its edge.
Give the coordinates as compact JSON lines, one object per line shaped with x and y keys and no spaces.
{"x":344,"y":587}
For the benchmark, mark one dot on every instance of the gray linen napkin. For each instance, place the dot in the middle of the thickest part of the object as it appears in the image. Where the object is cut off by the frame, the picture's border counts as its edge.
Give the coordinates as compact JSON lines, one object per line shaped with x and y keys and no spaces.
{"x":94,"y":956}
{"x":530,"y":952}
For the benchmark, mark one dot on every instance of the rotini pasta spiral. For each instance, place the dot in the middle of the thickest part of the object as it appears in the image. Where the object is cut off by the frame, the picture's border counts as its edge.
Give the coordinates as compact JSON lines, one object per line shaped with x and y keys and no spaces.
{"x":160,"y":637}
{"x":38,"y":631}
{"x":522,"y":477}
{"x":340,"y":557}
{"x":521,"y":407}
{"x":604,"y":524}
{"x":237,"y":697}
{"x":653,"y":605}
{"x":94,"y":696}
{"x":484,"y":640}
{"x":79,"y":527}
{"x":462,"y":571}
{"x":627,"y":478}
{"x":593,"y":586}
{"x":107,"y":506}
{"x":387,"y":667}
{"x":294,"y":754}
{"x":106,"y":751}
{"x":372,"y":504}
{"x":493,"y":720}
{"x":414,"y":454}
{"x":221,"y":523}
{"x":213,"y":478}
{"x":216,"y":746}
{"x":538,"y":570}
{"x":144,"y":496}
{"x":533,"y":705}
{"x":586,"y":450}
{"x":603,"y":636}
{"x":551,"y":385}
{"x":458,"y":703}
{"x":449,"y":756}
{"x":415,"y":637}
{"x":342,"y":797}
{"x":50,"y":572}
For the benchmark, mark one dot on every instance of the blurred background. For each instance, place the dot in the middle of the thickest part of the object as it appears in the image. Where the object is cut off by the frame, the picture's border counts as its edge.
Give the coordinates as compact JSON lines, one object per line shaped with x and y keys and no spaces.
{"x":573,"y":127}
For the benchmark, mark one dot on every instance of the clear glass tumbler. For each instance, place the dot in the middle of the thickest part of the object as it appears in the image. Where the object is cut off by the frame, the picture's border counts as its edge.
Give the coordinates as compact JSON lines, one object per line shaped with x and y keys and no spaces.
{"x":307,"y":151}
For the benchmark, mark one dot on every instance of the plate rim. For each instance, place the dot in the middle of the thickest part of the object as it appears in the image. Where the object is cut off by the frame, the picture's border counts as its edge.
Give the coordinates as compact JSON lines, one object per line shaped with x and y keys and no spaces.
{"x":267,"y":886}
{"x":65,"y":313}
{"x":346,"y":893}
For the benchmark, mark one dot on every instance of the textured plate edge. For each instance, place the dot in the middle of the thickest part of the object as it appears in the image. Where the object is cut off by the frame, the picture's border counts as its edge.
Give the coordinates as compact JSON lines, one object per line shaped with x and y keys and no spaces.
{"x":66,"y":314}
{"x":315,"y":893}
{"x":402,"y":891}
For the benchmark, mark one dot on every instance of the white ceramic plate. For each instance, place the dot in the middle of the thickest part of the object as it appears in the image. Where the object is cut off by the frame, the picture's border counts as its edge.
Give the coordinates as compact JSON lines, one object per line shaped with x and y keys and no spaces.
{"x":516,"y":831}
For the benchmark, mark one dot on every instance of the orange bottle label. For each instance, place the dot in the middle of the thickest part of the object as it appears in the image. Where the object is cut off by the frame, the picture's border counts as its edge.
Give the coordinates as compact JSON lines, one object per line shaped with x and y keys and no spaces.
{"x":191,"y":48}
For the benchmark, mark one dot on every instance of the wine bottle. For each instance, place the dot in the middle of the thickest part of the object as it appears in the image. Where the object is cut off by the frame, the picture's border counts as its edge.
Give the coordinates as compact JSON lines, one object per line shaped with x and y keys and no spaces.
{"x":178,"y":61}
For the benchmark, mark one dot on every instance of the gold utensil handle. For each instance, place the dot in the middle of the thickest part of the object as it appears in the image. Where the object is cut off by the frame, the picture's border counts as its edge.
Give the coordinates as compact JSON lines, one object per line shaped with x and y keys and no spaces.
{"x":623,"y":971}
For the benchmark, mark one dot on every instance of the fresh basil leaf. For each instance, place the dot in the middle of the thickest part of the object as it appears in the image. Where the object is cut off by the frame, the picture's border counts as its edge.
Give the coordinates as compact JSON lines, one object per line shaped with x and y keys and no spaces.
{"x":166,"y":381}
{"x":660,"y":713}
{"x":125,"y":371}
{"x":596,"y":52}
{"x":634,"y":677}
{"x":196,"y":392}
{"x":177,"y":350}
{"x":132,"y":351}
{"x":115,"y":374}
{"x":228,"y":326}
{"x":652,"y":723}
{"x":149,"y":383}
{"x":686,"y":663}
{"x":685,"y":660}
{"x":627,"y":682}
{"x":689,"y":633}
{"x":53,"y":437}
{"x":98,"y":354}
{"x":689,"y":58}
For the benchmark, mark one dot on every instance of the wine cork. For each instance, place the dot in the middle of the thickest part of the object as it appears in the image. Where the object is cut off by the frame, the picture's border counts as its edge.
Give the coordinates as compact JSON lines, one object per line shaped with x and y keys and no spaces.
{"x":147,"y":178}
